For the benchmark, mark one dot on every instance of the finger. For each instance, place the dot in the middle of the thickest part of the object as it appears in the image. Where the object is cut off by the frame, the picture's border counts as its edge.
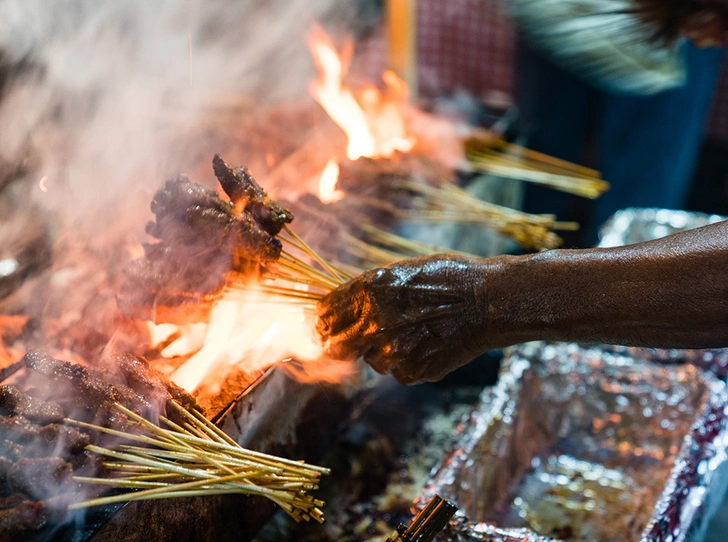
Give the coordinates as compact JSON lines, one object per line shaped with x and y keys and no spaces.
{"x":342,"y":308}
{"x":342,"y":349}
{"x":379,"y":359}
{"x":404,"y":375}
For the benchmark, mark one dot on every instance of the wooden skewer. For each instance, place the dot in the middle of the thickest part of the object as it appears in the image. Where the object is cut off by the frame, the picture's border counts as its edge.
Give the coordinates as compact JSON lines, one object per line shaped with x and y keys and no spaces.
{"x":416,"y":247}
{"x":290,"y":261}
{"x":315,"y":256}
{"x":199,"y":459}
{"x":547,"y":159}
{"x":503,"y":168}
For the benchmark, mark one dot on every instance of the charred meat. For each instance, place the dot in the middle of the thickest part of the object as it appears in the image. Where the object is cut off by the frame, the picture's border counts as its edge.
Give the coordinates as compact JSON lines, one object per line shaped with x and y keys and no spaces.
{"x":40,"y":454}
{"x":200,"y":238}
{"x":14,"y":402}
{"x":92,"y":391}
{"x":244,"y":191}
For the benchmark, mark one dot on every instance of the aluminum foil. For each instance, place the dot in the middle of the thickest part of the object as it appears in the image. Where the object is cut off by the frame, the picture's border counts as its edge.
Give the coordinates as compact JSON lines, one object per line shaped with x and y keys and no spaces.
{"x":639,"y":225}
{"x":582,"y":443}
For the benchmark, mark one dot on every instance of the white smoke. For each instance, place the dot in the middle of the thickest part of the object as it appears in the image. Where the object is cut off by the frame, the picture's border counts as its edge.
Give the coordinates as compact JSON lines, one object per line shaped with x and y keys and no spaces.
{"x":103,"y":78}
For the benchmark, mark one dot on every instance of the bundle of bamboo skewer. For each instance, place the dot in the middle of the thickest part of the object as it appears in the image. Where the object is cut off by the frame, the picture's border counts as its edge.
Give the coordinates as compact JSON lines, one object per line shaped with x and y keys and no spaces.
{"x":489,"y":154}
{"x":198,"y":459}
{"x":306,"y":277}
{"x":448,"y":202}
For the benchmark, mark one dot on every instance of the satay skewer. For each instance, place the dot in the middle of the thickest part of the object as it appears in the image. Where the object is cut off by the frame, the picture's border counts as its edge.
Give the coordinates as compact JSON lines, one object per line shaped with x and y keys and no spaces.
{"x":198,"y":460}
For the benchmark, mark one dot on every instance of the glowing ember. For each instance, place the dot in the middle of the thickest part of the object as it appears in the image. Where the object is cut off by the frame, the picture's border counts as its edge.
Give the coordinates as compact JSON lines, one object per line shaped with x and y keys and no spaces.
{"x":327,"y":191}
{"x":242,"y":330}
{"x":374,"y":124}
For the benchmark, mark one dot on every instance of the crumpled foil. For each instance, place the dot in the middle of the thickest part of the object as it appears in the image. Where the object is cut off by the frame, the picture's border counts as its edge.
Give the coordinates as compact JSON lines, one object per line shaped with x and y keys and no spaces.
{"x":590,"y":443}
{"x":635,"y":225}
{"x":581,"y":443}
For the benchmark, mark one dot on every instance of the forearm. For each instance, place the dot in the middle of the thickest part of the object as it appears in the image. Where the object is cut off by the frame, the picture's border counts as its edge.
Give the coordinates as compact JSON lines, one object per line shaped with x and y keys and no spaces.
{"x":667,"y":293}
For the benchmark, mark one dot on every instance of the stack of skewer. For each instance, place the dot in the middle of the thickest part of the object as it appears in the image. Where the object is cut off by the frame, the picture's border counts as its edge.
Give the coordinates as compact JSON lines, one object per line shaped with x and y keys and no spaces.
{"x":198,"y":459}
{"x":491,"y":154}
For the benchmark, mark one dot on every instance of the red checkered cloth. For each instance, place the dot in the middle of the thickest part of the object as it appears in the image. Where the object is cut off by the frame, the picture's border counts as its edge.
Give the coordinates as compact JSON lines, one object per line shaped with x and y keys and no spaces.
{"x":461,"y":45}
{"x":468,"y":45}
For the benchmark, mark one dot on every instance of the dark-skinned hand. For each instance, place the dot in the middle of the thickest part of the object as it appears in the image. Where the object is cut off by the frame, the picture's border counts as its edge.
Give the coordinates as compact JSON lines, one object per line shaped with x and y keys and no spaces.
{"x":417,"y":319}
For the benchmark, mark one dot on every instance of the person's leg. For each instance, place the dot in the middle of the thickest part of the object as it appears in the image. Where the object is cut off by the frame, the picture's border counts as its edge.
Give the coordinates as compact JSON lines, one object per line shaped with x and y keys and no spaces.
{"x":647,"y":146}
{"x":554,"y":111}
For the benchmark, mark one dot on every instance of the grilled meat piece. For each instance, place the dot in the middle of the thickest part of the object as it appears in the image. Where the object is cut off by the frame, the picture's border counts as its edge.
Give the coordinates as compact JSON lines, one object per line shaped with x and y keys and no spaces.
{"x":5,"y":466}
{"x":254,"y":243}
{"x":201,"y":238}
{"x":122,"y":378}
{"x":151,"y":384}
{"x":88,"y":392}
{"x":183,"y":209}
{"x":41,"y":478}
{"x":19,"y":438}
{"x":12,"y":501}
{"x":245,"y":192}
{"x":25,"y":516}
{"x":14,"y":402}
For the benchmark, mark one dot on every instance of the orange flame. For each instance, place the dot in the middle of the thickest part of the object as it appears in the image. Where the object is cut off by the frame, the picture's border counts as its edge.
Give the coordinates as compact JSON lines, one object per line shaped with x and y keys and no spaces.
{"x":373,"y":124}
{"x":327,"y":191}
{"x":242,"y":330}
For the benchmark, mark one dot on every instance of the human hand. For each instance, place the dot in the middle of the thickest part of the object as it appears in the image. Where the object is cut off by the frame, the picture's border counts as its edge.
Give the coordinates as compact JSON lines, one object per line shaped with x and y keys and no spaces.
{"x":417,"y":319}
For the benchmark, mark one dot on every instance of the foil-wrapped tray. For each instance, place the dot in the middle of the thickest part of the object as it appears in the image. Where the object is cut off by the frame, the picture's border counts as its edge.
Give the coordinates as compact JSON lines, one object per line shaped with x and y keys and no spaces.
{"x":580,"y":443}
{"x":632,"y":226}
{"x":635,"y":225}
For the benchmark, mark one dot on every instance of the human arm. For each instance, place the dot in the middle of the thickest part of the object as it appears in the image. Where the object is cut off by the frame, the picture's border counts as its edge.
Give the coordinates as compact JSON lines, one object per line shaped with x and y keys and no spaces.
{"x":422,"y":318}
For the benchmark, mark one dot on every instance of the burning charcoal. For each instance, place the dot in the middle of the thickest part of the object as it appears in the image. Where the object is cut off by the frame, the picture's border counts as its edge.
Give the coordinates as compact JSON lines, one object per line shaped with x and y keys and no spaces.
{"x":13,"y":402}
{"x":243,"y":190}
{"x":26,"y":516}
{"x":42,"y":477}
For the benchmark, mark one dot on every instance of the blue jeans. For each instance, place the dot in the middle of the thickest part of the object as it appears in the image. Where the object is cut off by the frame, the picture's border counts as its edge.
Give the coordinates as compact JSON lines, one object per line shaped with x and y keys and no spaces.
{"x":645,"y":146}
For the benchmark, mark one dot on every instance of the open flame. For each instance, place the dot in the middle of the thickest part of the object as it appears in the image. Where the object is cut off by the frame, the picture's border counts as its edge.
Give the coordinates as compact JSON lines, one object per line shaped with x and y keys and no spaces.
{"x":373,"y":123}
{"x":327,"y":191}
{"x":248,"y":329}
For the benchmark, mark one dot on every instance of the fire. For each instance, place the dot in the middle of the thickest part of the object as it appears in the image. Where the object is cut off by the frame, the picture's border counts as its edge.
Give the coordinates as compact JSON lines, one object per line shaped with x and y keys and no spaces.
{"x":251,"y":330}
{"x":373,"y":123}
{"x":327,"y":191}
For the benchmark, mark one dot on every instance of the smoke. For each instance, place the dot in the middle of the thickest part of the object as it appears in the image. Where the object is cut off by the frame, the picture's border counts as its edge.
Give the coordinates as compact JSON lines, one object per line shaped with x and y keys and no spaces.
{"x":103,"y":82}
